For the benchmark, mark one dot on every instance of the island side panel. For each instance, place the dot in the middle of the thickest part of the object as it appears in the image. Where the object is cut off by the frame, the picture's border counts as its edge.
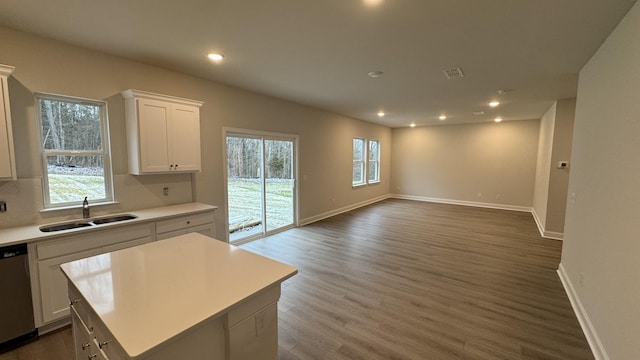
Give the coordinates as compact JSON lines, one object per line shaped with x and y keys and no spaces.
{"x":252,"y":327}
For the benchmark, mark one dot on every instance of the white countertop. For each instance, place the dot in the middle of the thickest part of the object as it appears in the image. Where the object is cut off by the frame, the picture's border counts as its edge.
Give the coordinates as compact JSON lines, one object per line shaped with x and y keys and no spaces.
{"x":147,"y":294}
{"x":29,"y":233}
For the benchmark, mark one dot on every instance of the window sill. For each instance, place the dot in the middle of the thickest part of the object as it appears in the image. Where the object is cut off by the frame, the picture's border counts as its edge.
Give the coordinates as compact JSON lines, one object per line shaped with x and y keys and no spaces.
{"x":358,"y":185}
{"x":78,"y":206}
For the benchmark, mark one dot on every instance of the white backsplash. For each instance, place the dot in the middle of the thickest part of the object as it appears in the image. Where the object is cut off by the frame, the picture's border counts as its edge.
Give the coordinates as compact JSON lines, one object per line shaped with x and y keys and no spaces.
{"x":25,"y":202}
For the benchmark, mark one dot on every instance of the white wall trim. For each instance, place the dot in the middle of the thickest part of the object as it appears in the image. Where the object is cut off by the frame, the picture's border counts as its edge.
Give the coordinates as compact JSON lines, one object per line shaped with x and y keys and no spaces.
{"x":590,"y":333}
{"x":553,"y":235}
{"x":538,"y":221}
{"x":546,"y":234}
{"x":462,"y":202}
{"x":341,"y":210}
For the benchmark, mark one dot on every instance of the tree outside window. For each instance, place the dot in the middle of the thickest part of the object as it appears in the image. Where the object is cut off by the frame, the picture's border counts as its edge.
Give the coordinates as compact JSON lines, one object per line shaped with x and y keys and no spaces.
{"x":366,"y":161}
{"x":359,"y":152}
{"x":75,"y":150}
{"x":374,"y":161}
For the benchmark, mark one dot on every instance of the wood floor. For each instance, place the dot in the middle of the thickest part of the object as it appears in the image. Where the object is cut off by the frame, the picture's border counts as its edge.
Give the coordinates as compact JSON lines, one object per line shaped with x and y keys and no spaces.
{"x":412,"y":280}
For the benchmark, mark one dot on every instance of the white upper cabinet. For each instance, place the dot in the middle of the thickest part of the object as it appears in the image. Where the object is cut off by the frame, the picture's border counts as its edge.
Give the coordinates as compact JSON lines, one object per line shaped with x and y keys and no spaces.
{"x":7,"y":156}
{"x":163,"y":133}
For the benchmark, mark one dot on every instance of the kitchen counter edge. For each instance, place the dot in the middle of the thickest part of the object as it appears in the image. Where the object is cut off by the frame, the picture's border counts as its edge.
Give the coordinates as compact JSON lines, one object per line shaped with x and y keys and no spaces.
{"x":32,"y":233}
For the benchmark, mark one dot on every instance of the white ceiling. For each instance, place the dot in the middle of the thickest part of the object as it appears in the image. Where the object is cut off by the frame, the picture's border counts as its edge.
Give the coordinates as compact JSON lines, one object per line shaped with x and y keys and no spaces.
{"x":318,"y":52}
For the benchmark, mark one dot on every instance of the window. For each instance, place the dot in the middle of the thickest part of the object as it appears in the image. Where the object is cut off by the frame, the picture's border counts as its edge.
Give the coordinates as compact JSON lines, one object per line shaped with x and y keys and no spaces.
{"x":359,"y":153}
{"x":374,"y":161}
{"x":75,"y":150}
{"x":366,"y":163}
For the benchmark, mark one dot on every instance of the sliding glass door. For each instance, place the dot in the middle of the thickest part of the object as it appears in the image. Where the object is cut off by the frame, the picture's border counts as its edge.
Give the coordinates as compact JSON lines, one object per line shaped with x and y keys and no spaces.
{"x":260,"y":184}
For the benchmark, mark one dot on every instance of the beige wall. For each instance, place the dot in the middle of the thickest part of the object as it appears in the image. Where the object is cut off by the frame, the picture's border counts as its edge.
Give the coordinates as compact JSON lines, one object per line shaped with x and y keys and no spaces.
{"x":459,"y":162}
{"x":543,"y":166}
{"x":559,"y":178}
{"x":554,"y":145}
{"x":602,"y":236}
{"x":50,"y":66}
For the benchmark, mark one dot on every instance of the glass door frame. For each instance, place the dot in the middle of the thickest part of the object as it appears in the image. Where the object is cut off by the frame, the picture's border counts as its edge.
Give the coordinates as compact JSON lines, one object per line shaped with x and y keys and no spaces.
{"x":262,"y":135}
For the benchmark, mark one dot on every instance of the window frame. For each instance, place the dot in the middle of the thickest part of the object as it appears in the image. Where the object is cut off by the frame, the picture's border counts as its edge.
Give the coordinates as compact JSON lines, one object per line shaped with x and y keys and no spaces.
{"x":362,"y":162}
{"x":376,"y":161}
{"x":105,"y":152}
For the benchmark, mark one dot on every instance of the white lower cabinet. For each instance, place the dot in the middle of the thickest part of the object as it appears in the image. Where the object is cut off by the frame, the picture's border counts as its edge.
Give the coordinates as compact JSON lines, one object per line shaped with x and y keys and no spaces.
{"x":52,"y":303}
{"x":202,"y":223}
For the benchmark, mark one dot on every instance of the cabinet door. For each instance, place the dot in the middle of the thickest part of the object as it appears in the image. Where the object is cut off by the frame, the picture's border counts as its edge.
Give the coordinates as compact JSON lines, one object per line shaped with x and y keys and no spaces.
{"x":53,"y":285}
{"x":154,"y":118}
{"x":6,"y":143}
{"x":185,"y":138}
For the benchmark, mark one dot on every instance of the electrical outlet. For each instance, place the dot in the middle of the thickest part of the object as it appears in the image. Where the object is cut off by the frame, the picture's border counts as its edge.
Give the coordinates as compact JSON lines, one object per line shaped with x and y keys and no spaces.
{"x":166,"y":191}
{"x":498,"y":196}
{"x":479,"y":194}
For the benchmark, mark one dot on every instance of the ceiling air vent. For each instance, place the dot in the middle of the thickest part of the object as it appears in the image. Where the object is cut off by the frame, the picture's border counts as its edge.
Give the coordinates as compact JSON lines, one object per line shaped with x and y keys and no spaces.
{"x":455,"y":73}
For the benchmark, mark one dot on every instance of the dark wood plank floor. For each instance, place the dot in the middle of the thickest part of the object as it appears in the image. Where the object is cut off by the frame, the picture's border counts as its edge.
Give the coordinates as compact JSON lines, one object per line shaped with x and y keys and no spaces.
{"x":412,"y":280}
{"x":57,"y":345}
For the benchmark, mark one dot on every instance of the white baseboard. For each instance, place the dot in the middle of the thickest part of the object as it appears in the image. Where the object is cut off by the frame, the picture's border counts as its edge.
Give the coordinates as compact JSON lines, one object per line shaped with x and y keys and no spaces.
{"x":463,"y":202}
{"x":546,"y":234}
{"x":553,"y":235}
{"x":341,"y":210}
{"x":590,"y":333}
{"x":538,"y":221}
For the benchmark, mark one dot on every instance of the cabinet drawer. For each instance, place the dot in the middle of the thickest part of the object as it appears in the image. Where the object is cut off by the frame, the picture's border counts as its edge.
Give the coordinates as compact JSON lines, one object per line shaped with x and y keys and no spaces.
{"x":107,"y":343}
{"x":183,"y":222}
{"x":91,"y":240}
{"x":79,"y":308}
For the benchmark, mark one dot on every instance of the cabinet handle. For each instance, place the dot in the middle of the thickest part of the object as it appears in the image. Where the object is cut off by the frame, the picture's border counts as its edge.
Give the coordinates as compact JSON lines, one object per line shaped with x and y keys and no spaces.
{"x":104,"y":343}
{"x":71,"y":302}
{"x":171,"y":167}
{"x":93,"y":356}
{"x":176,"y":166}
{"x":86,"y":346}
{"x":188,"y":222}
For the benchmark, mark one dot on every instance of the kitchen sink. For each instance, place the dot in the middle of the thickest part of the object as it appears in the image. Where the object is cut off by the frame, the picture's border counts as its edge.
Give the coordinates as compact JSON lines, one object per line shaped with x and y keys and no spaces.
{"x":80,"y":224}
{"x":64,"y":226}
{"x":115,"y":218}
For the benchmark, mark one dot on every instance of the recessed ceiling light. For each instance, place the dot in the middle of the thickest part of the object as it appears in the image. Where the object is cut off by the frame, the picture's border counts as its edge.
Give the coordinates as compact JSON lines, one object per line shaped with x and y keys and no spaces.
{"x":375,"y":74}
{"x":494,"y":103}
{"x":215,"y":57}
{"x":498,"y":119}
{"x":413,"y":125}
{"x":442,"y":117}
{"x":373,"y":2}
{"x":380,"y":113}
{"x":477,"y":113}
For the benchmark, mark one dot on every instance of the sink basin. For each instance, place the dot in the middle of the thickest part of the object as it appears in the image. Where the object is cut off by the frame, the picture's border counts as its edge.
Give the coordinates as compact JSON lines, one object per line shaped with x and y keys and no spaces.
{"x":110,"y":219}
{"x":79,"y":224}
{"x":65,"y":226}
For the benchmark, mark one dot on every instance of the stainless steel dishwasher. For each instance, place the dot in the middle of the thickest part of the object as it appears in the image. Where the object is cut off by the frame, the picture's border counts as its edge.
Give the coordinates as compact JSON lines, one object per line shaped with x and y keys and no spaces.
{"x":16,"y":309}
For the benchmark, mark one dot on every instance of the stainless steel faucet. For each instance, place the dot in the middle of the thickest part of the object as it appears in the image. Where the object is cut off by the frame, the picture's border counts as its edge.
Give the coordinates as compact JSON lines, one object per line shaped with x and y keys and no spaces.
{"x":86,"y":210}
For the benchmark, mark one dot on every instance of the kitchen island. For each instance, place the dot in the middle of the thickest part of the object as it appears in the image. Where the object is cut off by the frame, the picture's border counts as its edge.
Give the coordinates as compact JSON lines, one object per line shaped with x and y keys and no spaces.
{"x":189,"y":297}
